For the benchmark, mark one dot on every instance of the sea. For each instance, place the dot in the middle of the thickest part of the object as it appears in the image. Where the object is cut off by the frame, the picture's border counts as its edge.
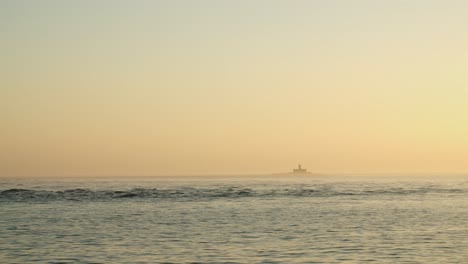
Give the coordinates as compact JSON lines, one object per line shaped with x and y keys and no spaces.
{"x":235,"y":219}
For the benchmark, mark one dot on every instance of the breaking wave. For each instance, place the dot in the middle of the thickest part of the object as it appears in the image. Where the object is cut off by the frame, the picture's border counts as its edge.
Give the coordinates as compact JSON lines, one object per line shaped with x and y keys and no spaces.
{"x":79,"y":194}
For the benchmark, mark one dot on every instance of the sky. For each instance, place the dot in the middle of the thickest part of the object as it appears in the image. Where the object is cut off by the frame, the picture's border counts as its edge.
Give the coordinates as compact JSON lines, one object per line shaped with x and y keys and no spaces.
{"x":140,"y":88}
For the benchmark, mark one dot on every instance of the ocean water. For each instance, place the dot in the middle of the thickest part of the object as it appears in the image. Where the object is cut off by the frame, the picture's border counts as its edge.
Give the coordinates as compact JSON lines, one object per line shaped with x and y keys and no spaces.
{"x":234,"y":220}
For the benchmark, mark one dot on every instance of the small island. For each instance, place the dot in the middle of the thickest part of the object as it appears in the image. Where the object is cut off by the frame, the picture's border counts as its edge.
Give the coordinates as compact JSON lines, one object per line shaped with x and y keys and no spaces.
{"x":299,"y":171}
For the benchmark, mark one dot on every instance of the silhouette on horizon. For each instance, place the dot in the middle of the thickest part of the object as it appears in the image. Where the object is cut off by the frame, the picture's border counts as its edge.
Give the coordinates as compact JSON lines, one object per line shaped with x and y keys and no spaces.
{"x":299,"y":170}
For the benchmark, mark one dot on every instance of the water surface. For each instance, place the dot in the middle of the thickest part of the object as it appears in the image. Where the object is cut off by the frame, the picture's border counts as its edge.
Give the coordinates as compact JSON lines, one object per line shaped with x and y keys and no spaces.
{"x":234,"y":220}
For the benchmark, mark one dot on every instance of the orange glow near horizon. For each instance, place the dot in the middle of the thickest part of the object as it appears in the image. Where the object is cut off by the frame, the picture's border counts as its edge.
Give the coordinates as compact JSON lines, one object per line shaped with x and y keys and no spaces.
{"x":153,"y":88}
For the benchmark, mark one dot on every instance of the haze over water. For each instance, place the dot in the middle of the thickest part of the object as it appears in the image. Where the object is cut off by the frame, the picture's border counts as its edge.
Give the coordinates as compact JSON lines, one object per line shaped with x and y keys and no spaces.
{"x":160,"y":131}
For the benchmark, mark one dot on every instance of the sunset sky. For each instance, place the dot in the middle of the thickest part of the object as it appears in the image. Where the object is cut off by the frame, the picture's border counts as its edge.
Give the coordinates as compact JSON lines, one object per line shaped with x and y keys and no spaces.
{"x":102,"y":88}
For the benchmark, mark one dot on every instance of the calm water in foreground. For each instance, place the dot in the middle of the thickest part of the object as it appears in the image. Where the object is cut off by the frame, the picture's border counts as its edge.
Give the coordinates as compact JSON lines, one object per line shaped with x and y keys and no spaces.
{"x":234,"y":220}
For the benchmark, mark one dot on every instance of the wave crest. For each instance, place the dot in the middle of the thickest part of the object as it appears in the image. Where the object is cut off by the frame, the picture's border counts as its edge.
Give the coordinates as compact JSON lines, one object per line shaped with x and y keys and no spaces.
{"x":80,"y":194}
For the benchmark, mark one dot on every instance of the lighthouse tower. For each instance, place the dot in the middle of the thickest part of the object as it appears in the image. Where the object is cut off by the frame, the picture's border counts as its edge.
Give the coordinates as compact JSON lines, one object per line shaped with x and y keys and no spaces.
{"x":299,"y":170}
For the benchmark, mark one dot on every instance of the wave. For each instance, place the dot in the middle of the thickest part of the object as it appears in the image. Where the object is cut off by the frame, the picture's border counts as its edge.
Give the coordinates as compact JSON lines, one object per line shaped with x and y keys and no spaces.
{"x":80,"y":194}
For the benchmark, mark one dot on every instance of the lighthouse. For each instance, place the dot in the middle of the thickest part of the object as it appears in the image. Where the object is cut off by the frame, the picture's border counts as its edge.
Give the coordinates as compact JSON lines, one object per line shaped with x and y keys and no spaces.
{"x":299,"y":170}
